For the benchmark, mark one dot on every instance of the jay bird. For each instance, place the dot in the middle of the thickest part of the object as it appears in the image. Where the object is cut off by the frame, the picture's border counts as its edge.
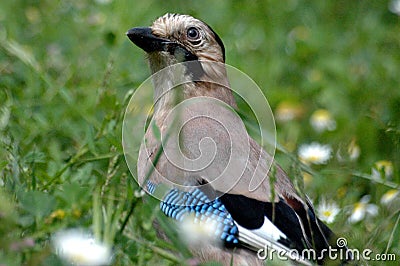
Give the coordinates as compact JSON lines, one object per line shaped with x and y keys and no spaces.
{"x":245,"y":220}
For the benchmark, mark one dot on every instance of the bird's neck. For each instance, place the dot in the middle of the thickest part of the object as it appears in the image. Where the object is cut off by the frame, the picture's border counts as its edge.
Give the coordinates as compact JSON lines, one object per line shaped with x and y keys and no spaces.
{"x":210,"y":89}
{"x":174,"y":85}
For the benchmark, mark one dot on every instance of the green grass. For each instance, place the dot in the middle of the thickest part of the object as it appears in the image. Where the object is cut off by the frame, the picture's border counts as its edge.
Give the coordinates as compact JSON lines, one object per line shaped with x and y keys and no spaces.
{"x":67,"y":71}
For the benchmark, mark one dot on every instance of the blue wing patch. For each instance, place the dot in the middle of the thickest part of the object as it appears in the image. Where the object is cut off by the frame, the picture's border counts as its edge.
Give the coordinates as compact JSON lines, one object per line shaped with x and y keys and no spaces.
{"x":179,"y":204}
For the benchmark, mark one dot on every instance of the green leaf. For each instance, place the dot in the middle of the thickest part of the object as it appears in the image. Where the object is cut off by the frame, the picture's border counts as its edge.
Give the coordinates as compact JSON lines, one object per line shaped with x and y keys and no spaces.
{"x":3,"y":164}
{"x":35,"y":157}
{"x":156,"y":130}
{"x":26,"y":220}
{"x":37,"y":203}
{"x":73,"y":193}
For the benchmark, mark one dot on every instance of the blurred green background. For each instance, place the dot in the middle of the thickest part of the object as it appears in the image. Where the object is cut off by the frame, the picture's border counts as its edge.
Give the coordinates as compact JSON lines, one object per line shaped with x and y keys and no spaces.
{"x":67,"y":71}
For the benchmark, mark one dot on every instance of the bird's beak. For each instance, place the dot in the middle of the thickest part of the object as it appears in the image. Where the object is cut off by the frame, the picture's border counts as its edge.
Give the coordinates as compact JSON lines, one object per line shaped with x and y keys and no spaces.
{"x":145,"y":39}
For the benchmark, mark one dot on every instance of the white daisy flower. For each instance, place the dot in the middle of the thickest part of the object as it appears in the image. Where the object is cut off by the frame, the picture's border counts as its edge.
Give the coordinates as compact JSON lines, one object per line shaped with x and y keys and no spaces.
{"x":394,"y":7}
{"x":322,"y":120}
{"x":196,"y":232}
{"x":362,"y":209}
{"x":139,"y":193}
{"x":315,"y":153}
{"x":327,"y":211}
{"x":390,"y":196}
{"x":352,"y":154}
{"x":287,"y":111}
{"x":353,"y":150}
{"x":80,"y":248}
{"x":382,"y":170}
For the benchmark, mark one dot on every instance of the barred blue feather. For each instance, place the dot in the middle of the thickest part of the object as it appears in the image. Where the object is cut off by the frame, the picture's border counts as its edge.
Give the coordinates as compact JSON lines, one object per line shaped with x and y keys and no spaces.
{"x":179,"y":204}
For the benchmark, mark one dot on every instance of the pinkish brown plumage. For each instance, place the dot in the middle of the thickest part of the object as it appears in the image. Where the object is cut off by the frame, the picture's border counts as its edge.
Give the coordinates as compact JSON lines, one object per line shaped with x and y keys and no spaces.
{"x":279,"y":216}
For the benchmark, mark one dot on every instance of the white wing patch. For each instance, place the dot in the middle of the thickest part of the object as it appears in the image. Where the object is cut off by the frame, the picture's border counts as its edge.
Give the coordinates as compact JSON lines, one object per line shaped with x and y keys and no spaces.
{"x":267,"y":236}
{"x":269,"y":230}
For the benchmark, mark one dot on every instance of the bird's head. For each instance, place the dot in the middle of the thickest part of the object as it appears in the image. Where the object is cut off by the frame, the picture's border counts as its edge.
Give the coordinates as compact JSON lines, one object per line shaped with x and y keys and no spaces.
{"x":175,"y":38}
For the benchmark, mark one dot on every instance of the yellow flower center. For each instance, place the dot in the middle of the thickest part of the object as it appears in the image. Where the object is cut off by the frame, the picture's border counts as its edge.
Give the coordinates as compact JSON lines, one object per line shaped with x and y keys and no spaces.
{"x":314,"y":158}
{"x":359,"y":206}
{"x":321,"y":115}
{"x":327,"y":213}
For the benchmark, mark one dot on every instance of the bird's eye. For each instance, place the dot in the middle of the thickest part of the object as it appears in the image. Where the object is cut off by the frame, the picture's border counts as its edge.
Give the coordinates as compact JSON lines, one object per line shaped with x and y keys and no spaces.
{"x":193,"y":33}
